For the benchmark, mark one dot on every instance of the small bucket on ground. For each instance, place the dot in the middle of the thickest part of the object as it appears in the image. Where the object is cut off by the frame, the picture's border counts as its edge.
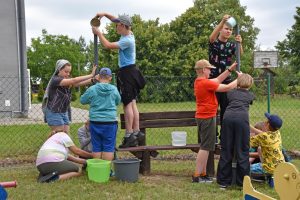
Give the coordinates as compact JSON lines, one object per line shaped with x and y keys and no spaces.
{"x":179,"y":138}
{"x":98,"y":170}
{"x":127,"y":169}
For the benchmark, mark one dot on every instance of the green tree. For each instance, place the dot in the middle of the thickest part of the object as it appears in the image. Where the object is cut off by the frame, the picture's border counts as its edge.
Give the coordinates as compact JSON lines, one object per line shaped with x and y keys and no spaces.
{"x":289,"y":48}
{"x":194,"y":26}
{"x":41,"y":93}
{"x":173,"y":48}
{"x":47,"y":49}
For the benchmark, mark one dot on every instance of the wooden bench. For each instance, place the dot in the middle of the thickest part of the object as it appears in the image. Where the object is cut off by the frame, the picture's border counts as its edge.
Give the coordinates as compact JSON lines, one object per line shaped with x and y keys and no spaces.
{"x":164,"y":120}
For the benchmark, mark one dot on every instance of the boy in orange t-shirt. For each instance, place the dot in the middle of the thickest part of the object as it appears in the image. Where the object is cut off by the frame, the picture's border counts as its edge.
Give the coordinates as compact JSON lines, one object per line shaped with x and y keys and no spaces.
{"x":206,"y":102}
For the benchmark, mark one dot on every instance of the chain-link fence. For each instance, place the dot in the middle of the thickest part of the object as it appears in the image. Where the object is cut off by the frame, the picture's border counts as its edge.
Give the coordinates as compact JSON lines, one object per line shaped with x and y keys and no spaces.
{"x":23,"y":132}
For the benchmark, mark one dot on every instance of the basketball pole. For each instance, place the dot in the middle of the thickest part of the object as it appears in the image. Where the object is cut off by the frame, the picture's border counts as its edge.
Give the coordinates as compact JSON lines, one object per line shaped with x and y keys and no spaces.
{"x":238,"y":55}
{"x":269,"y":92}
{"x":96,"y":61}
{"x":238,"y":49}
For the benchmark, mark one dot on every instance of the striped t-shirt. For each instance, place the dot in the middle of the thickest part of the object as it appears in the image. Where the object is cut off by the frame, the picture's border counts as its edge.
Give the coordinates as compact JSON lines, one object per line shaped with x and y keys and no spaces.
{"x":55,"y":149}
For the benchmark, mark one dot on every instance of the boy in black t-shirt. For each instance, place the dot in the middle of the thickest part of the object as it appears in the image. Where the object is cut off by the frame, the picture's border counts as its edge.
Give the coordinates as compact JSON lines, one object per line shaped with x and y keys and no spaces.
{"x":235,"y":133}
{"x":221,"y":53}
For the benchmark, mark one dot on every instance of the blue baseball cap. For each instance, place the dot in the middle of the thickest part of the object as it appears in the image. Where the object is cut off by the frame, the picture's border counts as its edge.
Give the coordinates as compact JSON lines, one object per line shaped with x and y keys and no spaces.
{"x":105,"y":72}
{"x":274,"y":120}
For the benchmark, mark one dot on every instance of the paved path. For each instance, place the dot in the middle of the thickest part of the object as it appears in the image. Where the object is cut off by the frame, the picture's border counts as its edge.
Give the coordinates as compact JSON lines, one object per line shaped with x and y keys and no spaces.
{"x":35,"y":116}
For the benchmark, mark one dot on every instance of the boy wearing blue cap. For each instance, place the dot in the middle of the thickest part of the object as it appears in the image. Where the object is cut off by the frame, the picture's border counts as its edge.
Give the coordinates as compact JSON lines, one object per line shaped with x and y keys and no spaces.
{"x":103,"y":99}
{"x":270,"y":143}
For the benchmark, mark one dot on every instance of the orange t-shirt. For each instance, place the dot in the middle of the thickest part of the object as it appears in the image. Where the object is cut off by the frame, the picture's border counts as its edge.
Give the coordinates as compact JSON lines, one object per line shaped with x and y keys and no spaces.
{"x":206,"y":100}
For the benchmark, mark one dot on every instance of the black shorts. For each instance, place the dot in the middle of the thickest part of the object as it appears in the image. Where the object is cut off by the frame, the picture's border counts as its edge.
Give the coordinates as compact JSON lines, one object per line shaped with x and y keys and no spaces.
{"x":129,"y":82}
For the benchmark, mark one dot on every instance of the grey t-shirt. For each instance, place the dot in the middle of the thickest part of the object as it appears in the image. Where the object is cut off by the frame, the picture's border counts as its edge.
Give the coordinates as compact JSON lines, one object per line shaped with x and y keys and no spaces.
{"x":84,"y":137}
{"x":59,"y":96}
{"x":238,"y":103}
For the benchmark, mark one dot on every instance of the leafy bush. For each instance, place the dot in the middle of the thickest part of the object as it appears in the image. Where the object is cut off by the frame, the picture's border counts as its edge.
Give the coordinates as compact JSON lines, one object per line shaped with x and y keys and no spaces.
{"x":74,"y":94}
{"x":167,"y":89}
{"x":41,"y":93}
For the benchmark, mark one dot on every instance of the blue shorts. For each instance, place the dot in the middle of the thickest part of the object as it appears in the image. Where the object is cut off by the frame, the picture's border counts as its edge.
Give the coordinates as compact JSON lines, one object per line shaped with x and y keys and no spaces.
{"x":257,"y":169}
{"x":57,"y":119}
{"x":103,"y":136}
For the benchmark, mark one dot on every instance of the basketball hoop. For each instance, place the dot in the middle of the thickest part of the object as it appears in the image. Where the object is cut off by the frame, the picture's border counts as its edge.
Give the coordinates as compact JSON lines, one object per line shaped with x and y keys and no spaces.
{"x":265,"y":59}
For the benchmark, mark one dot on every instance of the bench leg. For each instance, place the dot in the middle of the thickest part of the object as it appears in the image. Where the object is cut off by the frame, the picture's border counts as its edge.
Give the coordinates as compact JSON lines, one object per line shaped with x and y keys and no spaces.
{"x":210,"y":168}
{"x":143,"y":143}
{"x":145,"y":165}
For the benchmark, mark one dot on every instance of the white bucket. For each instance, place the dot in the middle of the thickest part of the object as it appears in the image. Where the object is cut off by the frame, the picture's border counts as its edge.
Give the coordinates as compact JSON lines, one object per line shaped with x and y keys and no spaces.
{"x":179,"y":138}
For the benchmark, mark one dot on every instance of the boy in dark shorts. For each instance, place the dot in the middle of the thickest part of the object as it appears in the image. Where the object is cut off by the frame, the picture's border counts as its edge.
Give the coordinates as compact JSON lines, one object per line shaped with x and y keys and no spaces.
{"x":129,"y":78}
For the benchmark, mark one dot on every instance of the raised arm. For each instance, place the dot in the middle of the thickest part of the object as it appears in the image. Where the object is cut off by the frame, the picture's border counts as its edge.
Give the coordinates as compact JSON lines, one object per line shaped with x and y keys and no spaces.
{"x":104,"y":14}
{"x":226,"y":73}
{"x":255,"y":130}
{"x":80,"y":80}
{"x":225,"y":88}
{"x":230,"y":86}
{"x":107,"y":44}
{"x":213,"y":36}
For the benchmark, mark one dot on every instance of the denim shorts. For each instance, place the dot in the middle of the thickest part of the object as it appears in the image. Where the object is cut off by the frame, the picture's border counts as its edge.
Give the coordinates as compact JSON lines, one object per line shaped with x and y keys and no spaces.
{"x":103,"y":136}
{"x":57,"y":119}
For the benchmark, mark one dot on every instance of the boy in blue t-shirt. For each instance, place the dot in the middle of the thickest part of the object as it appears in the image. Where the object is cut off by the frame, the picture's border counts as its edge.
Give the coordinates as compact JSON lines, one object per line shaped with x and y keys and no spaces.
{"x":129,"y":78}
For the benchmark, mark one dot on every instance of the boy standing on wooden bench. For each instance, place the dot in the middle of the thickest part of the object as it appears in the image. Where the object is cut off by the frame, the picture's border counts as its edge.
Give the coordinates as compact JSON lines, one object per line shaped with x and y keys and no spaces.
{"x":129,"y":78}
{"x":206,"y":102}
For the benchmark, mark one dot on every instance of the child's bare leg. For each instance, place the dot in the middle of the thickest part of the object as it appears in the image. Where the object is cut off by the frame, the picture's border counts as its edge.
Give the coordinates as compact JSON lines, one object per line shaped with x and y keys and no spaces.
{"x":69,"y":175}
{"x":129,"y":117}
{"x":259,"y":153}
{"x":108,"y":155}
{"x":251,"y":160}
{"x":97,"y":155}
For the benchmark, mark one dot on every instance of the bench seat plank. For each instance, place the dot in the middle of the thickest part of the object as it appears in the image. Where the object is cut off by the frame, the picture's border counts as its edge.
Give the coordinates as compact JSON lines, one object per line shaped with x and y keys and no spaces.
{"x":164,"y":119}
{"x":159,"y":147}
{"x":167,"y":147}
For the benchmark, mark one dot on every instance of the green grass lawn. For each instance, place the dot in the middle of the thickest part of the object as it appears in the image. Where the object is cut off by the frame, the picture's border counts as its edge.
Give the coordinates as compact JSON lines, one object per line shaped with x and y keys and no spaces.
{"x":25,"y":140}
{"x":168,"y":180}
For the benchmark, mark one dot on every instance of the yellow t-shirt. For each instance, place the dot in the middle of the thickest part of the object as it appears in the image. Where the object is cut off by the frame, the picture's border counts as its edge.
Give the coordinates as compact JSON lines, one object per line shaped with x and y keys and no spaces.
{"x":271,"y":148}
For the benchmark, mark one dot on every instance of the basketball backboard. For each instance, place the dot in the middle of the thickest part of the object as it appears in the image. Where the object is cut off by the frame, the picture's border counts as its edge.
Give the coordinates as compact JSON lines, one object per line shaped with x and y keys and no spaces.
{"x":265,"y":59}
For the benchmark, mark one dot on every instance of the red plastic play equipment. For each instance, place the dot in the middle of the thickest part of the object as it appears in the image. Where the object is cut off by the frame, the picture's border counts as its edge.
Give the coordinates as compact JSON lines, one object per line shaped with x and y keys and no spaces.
{"x":9,"y":184}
